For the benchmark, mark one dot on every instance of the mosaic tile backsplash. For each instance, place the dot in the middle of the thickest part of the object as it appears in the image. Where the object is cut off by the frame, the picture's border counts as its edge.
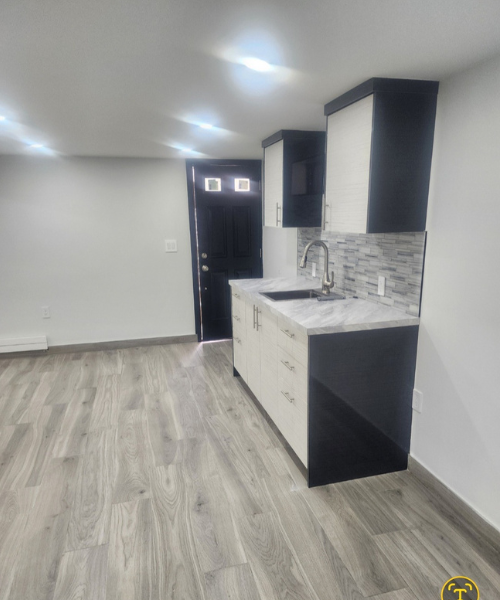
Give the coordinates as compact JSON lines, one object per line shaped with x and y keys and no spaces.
{"x":357,"y":260}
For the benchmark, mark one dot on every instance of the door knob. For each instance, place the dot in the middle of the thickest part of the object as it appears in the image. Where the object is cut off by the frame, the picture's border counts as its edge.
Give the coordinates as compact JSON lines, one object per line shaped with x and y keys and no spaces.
{"x":204,"y":255}
{"x":204,"y":268}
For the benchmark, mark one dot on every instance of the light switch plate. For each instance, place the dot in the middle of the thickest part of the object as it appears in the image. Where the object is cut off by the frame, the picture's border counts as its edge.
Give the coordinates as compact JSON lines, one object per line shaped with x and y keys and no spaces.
{"x":381,"y":285}
{"x":170,"y":245}
{"x":418,"y":399}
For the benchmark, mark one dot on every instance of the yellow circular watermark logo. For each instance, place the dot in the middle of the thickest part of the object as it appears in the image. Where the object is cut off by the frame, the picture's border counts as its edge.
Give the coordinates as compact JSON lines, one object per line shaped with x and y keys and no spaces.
{"x":460,"y":588}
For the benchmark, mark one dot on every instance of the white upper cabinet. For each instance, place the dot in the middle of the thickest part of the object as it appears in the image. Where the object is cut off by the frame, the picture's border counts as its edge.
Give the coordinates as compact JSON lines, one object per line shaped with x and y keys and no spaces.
{"x":378,"y":156}
{"x":273,"y":185}
{"x":349,"y":137}
{"x":294,"y":164}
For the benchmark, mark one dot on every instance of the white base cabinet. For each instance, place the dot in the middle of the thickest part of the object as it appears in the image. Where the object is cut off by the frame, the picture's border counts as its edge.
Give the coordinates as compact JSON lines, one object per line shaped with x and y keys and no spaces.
{"x":272,"y":358}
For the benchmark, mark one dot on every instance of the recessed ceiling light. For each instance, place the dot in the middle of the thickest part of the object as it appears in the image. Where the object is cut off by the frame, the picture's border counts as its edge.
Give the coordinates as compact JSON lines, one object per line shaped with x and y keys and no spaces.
{"x":36,"y":146}
{"x":186,"y":150}
{"x":206,"y":126}
{"x":257,"y":64}
{"x":2,"y":118}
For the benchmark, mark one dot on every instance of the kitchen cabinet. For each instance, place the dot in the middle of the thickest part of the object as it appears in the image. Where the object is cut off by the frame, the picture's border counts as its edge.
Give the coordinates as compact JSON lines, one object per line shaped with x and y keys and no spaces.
{"x":293,"y":178}
{"x":341,"y":401}
{"x":378,"y":156}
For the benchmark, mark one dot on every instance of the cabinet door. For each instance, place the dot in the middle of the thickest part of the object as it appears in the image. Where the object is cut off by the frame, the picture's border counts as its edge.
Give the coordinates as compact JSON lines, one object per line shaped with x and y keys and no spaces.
{"x":348,"y":154}
{"x":239,"y":350}
{"x":252,"y":350}
{"x":268,"y":327}
{"x":273,"y":185}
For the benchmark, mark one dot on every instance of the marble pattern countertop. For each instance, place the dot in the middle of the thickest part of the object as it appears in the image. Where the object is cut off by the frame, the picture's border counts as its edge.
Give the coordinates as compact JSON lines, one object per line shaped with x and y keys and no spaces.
{"x":315,"y":318}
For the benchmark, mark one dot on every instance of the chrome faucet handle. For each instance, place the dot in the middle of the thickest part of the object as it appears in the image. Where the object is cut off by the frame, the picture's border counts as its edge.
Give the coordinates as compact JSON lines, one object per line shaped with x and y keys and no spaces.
{"x":327,"y":283}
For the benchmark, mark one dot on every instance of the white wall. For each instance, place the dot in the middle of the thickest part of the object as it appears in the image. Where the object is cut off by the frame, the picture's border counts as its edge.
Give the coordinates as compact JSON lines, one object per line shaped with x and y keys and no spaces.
{"x":457,"y":436}
{"x":279,"y":252}
{"x":85,"y":236}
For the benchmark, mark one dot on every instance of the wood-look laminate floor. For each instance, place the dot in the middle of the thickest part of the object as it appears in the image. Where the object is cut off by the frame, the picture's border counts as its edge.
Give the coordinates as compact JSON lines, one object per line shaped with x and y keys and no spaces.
{"x":149,"y":474}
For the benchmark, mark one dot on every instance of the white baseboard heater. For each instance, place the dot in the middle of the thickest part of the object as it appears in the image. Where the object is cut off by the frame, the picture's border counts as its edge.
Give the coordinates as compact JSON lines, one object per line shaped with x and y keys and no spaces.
{"x":23,"y":344}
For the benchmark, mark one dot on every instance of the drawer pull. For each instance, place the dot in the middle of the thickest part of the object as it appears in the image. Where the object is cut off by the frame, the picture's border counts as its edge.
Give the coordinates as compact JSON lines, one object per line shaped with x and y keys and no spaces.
{"x":236,"y":318}
{"x":286,"y":332}
{"x":288,"y":365}
{"x":287,"y":396}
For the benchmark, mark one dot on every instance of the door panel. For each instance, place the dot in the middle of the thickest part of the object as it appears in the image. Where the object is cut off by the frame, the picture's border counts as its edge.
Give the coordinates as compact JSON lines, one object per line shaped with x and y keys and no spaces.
{"x":226,"y":232}
{"x":242,"y":232}
{"x":216,"y":232}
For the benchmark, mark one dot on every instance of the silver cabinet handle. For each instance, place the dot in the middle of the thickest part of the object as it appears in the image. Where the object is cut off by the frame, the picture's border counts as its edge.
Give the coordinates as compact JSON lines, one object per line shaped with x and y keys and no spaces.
{"x":287,"y":396}
{"x":288,"y":365}
{"x":236,"y":318}
{"x":254,"y":311}
{"x":286,"y":332}
{"x":278,"y":208}
{"x":257,"y":313}
{"x":325,"y":222}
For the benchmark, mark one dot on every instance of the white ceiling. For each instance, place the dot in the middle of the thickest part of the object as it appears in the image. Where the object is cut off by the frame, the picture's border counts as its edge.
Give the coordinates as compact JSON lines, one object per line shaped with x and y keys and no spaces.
{"x":135,"y":77}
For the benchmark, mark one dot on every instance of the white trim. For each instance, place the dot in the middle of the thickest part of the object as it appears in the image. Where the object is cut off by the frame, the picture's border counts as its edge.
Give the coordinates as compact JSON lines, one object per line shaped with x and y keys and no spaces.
{"x":23,"y":344}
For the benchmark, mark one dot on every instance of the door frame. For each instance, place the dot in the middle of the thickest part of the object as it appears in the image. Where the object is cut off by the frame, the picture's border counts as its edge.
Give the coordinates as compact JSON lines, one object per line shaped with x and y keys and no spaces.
{"x":195,"y":259}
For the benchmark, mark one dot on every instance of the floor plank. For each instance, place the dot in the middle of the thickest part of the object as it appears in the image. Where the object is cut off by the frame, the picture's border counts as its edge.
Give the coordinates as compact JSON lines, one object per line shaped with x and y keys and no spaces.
{"x":82,"y":575}
{"x":130,"y":553}
{"x":91,"y":509}
{"x":134,"y":459}
{"x":178,"y":572}
{"x":72,"y":439}
{"x":232,"y":583}
{"x":368,"y":565}
{"x":277,"y":572}
{"x":217,"y":541}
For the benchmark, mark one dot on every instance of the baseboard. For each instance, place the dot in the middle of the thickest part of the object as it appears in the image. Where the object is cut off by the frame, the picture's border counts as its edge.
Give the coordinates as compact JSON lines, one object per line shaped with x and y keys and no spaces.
{"x":470,"y":520}
{"x":106,"y":346}
{"x":16,"y":345}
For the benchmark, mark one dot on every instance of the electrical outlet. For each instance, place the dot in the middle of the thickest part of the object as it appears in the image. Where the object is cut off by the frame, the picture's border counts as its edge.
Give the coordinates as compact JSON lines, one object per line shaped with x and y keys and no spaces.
{"x":313,"y":269}
{"x":381,"y":285}
{"x":170,"y":245}
{"x":45,"y":312}
{"x":418,"y":399}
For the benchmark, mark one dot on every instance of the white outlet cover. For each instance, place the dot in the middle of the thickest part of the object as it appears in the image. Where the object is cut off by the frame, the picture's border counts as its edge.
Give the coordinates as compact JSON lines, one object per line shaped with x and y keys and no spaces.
{"x":418,"y":399}
{"x":170,"y":245}
{"x":381,"y":285}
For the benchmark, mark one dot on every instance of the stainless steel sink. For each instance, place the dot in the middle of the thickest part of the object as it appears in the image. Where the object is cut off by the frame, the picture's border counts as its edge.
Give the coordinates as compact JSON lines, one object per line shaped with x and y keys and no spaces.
{"x":301,"y":295}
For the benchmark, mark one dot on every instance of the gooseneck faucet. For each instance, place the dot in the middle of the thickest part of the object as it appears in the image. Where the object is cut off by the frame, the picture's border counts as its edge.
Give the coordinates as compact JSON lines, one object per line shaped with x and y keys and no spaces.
{"x":327,"y":284}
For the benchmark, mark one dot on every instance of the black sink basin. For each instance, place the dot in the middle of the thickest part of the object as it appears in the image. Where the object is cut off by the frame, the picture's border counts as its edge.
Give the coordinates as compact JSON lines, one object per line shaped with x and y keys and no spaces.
{"x":300,"y":295}
{"x":292,"y":294}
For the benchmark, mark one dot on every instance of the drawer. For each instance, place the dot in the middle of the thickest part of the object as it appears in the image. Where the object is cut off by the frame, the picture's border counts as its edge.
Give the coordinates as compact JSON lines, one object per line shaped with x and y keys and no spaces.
{"x":293,"y":341}
{"x":238,"y":309}
{"x":293,"y":425}
{"x":239,"y":331}
{"x":292,"y":376}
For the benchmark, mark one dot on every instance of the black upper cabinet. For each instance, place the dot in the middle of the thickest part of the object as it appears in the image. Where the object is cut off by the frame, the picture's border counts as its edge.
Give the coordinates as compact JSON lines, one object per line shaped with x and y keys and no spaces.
{"x":378,"y":157}
{"x":294,"y":164}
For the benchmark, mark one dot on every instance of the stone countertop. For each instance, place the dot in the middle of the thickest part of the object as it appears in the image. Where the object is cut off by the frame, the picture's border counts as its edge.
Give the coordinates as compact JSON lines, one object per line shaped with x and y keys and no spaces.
{"x":314,"y":317}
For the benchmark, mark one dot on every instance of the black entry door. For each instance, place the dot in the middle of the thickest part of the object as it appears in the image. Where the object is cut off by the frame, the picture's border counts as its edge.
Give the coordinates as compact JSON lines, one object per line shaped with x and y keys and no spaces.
{"x":226,"y":213}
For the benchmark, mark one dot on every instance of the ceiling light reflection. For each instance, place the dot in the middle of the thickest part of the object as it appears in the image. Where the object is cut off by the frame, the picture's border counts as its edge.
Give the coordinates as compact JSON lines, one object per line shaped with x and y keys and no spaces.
{"x":257,"y":64}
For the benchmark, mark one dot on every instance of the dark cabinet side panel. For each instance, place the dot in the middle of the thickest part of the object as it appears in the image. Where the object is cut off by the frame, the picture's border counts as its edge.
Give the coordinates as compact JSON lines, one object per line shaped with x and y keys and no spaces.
{"x":401,"y":157}
{"x":360,"y":403}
